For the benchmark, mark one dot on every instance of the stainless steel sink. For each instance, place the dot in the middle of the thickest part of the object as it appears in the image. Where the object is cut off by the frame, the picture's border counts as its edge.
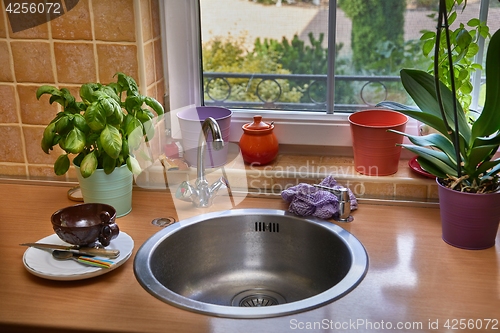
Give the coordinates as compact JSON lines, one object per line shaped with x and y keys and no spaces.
{"x":250,"y":263}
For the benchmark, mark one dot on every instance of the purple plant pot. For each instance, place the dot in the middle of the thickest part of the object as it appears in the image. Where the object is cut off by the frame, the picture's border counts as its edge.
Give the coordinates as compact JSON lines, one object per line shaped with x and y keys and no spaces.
{"x":190,"y":121}
{"x":469,"y":220}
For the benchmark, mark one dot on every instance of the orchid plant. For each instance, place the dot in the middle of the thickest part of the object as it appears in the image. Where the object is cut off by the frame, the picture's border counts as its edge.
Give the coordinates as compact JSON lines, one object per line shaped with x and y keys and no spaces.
{"x":461,"y":155}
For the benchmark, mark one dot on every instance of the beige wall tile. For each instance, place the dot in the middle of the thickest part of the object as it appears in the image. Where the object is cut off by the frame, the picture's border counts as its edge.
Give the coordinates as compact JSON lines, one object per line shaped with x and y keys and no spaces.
{"x":147,"y":26}
{"x":113,"y":58}
{"x":12,"y":145}
{"x":35,"y":154}
{"x":75,"y":62}
{"x":16,"y":171}
{"x":155,"y":17}
{"x":433,"y":192}
{"x":411,"y":191}
{"x":44,"y":172}
{"x":32,"y":61}
{"x":33,"y":111}
{"x":158,"y":59}
{"x":39,"y":31}
{"x":160,"y":91}
{"x":114,"y":23}
{"x":3,"y":22}
{"x":8,"y":105}
{"x":379,"y":190}
{"x":74,"y":24}
{"x":149,"y":63}
{"x":7,"y":73}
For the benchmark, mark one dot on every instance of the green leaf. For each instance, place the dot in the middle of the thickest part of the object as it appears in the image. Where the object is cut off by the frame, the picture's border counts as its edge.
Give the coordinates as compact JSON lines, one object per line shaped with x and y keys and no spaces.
{"x":495,"y":170}
{"x":64,"y":125}
{"x":111,"y":141}
{"x":127,"y":84}
{"x":132,"y":124}
{"x":474,"y":22}
{"x":133,"y":165}
{"x":95,"y":117}
{"x":45,"y":89}
{"x":75,"y":141}
{"x":463,"y":39}
{"x":87,"y":92}
{"x":428,"y":35}
{"x":48,"y":137}
{"x":155,"y":105}
{"x":421,"y":87}
{"x":437,"y":158}
{"x":433,"y":140}
{"x":106,"y":106}
{"x":80,"y":123}
{"x":61,"y":166}
{"x":108,"y":164}
{"x":88,"y":165}
{"x":430,"y":167}
{"x":489,"y":120}
{"x":479,"y":155}
{"x":427,"y":47}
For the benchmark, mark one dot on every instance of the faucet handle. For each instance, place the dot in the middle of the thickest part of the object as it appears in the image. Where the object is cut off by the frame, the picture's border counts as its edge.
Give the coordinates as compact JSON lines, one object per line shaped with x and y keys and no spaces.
{"x":344,"y":213}
{"x":185,"y":191}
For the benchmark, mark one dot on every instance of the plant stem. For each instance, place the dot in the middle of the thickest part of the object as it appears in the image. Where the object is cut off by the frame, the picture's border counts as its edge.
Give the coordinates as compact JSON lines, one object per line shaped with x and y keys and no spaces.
{"x":443,"y":23}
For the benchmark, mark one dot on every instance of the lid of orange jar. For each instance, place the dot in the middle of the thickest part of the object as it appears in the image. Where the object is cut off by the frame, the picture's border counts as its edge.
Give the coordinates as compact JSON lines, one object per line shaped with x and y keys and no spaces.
{"x":258,"y":126}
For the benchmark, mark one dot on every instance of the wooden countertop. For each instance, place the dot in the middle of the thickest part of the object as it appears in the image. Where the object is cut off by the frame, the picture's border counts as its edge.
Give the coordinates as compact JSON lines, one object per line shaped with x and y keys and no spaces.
{"x":414,"y":278}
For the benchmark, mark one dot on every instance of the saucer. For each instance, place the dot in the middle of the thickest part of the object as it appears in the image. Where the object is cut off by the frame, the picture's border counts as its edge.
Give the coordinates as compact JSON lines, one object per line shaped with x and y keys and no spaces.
{"x":415,"y":166}
{"x":40,"y":262}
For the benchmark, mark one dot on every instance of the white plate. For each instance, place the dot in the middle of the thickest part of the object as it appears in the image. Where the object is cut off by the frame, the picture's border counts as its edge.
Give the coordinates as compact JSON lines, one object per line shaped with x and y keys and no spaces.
{"x":41,"y":263}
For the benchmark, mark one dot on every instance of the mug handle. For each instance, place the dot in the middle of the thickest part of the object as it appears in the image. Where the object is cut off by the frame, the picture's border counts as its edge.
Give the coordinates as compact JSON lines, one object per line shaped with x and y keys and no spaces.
{"x":108,"y":232}
{"x":105,"y":217}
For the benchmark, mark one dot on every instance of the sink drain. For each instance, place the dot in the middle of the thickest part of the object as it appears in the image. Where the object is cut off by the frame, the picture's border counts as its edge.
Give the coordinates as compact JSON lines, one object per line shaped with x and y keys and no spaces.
{"x":257,"y":297}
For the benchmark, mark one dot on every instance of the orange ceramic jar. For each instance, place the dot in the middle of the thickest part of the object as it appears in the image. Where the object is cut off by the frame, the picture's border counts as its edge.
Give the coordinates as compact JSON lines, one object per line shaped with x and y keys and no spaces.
{"x":258,"y":143}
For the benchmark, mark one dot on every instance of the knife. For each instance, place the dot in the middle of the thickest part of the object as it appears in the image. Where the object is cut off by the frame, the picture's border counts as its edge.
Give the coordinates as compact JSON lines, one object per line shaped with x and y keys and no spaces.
{"x":90,"y":251}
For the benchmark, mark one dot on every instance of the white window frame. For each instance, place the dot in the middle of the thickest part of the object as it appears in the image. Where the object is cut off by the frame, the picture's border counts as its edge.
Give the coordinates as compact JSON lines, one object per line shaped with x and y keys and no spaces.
{"x":182,"y":56}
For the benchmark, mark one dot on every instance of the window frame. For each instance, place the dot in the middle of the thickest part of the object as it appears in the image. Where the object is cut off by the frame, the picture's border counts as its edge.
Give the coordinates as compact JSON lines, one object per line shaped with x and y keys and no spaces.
{"x":180,"y":21}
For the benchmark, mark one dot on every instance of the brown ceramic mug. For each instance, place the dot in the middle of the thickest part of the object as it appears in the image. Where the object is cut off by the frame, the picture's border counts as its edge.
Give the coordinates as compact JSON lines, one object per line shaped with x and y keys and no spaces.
{"x":86,"y":224}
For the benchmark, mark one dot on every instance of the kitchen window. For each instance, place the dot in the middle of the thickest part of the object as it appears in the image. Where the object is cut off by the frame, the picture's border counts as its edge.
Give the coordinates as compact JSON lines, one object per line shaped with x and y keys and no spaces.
{"x":215,"y":58}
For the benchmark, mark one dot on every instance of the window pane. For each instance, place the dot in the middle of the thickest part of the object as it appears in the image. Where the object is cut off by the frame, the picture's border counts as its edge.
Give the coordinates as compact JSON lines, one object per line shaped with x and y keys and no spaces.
{"x":273,"y":54}
{"x":278,"y":52}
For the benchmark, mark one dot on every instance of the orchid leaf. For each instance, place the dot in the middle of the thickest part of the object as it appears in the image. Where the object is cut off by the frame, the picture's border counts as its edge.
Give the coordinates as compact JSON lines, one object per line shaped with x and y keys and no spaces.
{"x":433,"y":140}
{"x":493,"y":171}
{"x":489,"y":120}
{"x":430,"y":167}
{"x":421,"y":87}
{"x":479,"y":155}
{"x":438,"y":158}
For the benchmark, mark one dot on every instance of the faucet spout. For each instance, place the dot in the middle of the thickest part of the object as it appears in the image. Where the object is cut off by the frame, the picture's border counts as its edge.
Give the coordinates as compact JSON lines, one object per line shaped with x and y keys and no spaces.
{"x":217,"y":143}
{"x":202,"y":194}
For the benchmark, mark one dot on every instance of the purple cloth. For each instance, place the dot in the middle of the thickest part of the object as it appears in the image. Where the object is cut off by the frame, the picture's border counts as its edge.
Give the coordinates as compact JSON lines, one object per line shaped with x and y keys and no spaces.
{"x":306,"y":200}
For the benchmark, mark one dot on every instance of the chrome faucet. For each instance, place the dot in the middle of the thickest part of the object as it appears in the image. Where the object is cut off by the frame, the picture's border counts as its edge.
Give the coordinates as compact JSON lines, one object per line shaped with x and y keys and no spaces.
{"x":202,"y":194}
{"x":344,"y":202}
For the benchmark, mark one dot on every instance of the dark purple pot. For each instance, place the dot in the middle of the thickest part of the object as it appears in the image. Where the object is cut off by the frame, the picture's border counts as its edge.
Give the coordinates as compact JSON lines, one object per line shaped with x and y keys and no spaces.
{"x":469,"y":220}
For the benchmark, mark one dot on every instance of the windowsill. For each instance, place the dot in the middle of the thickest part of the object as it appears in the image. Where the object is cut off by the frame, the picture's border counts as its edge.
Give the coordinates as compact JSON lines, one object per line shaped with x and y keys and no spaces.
{"x":290,"y":169}
{"x":297,"y":128}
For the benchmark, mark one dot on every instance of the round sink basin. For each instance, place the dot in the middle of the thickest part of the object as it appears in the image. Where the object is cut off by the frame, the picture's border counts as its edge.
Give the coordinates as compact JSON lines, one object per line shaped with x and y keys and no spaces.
{"x":250,"y":263}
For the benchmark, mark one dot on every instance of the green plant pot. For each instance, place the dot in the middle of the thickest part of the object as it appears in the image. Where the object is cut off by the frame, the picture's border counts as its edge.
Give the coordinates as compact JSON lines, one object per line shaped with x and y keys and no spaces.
{"x":114,"y":189}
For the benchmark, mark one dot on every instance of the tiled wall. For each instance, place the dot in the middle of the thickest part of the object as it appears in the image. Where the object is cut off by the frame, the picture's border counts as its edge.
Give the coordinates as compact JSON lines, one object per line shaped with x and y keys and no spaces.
{"x":90,"y":43}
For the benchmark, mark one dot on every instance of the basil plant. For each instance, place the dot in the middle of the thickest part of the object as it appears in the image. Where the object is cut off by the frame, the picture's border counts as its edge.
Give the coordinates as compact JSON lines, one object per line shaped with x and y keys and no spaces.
{"x":110,"y":121}
{"x":461,"y":155}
